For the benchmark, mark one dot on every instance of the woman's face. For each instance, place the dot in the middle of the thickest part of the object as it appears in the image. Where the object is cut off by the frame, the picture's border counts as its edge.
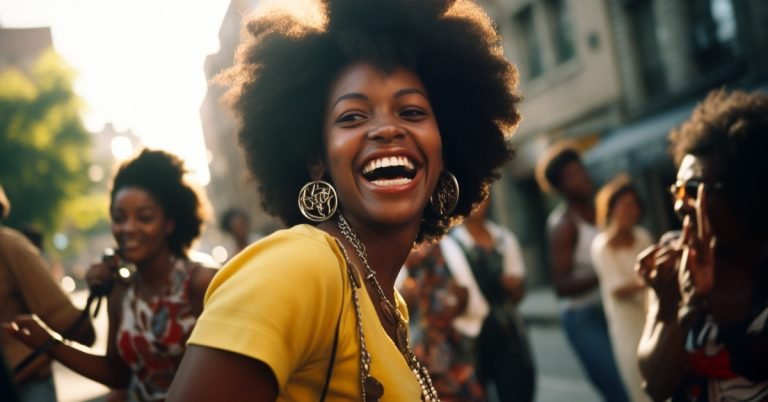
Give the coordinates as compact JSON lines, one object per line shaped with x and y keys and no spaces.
{"x":626,"y":211}
{"x":139,"y":225}
{"x":383,"y":146}
{"x":575,"y":181}
{"x":725,"y":223}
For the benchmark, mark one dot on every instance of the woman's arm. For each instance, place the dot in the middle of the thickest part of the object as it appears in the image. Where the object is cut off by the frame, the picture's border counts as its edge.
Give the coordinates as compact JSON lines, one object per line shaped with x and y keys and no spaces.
{"x":109,"y":370}
{"x":208,"y":374}
{"x":661,"y":351}
{"x":513,"y":279}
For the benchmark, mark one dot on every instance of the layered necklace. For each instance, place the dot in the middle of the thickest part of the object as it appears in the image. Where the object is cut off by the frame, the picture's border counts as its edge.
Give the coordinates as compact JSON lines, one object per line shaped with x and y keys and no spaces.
{"x":370,"y":386}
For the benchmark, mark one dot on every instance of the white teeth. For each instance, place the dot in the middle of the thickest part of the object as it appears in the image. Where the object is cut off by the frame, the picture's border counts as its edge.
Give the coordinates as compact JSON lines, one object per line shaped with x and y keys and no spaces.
{"x":387,"y":162}
{"x":392,"y":182}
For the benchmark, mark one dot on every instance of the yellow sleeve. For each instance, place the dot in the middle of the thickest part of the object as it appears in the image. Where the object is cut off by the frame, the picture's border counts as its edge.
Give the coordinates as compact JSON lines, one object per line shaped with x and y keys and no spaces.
{"x":277,"y":302}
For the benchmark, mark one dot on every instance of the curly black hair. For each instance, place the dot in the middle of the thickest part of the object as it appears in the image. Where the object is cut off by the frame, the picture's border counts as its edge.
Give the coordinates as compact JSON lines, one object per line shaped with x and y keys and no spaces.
{"x":734,"y":128}
{"x":550,"y":165}
{"x":609,"y":194}
{"x":285,"y":67}
{"x":161,"y":174}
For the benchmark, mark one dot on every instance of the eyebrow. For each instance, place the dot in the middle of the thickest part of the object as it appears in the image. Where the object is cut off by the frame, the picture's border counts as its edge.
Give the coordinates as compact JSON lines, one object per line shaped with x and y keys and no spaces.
{"x":408,"y":91}
{"x":398,"y":94}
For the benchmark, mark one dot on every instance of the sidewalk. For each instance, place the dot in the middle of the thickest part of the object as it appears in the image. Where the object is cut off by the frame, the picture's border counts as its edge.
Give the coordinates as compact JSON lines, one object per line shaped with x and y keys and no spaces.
{"x":540,"y":307}
{"x":559,"y":374}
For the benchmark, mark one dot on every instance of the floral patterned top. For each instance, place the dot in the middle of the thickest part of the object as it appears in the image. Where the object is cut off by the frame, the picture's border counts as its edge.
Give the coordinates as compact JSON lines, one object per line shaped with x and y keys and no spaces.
{"x":447,"y":354}
{"x":152,"y":335}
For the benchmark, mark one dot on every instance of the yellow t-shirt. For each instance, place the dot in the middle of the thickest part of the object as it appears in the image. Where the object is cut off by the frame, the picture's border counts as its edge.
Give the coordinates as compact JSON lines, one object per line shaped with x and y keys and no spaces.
{"x":279,"y":300}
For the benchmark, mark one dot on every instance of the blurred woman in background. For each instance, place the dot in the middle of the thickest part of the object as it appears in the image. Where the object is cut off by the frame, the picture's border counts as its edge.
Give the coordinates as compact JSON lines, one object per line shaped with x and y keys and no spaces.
{"x":156,"y":215}
{"x":614,"y":252}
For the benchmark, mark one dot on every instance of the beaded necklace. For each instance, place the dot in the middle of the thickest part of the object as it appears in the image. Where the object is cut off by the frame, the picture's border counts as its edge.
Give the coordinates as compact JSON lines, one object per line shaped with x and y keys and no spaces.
{"x":370,"y":385}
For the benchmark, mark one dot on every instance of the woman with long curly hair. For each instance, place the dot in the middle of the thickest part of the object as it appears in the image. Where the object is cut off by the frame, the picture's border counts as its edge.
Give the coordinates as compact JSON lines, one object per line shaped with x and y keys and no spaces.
{"x":156,"y":215}
{"x":387,"y":120}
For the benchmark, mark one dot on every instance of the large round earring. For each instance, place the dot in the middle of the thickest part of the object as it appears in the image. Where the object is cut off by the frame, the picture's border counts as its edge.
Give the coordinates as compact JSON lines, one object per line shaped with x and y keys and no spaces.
{"x":446,"y":195}
{"x":318,"y":201}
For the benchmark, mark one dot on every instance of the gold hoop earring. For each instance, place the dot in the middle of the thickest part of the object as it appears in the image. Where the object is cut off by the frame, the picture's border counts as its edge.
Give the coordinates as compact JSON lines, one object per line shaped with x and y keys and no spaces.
{"x":446,"y":195}
{"x":318,"y":201}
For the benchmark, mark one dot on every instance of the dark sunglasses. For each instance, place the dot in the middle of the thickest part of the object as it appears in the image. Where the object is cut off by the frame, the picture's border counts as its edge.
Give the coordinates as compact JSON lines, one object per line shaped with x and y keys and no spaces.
{"x":690,"y":188}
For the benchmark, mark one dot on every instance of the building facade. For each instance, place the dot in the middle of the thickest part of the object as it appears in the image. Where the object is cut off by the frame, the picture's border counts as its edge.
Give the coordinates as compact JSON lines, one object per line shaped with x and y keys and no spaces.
{"x":230,"y":186}
{"x":614,"y":76}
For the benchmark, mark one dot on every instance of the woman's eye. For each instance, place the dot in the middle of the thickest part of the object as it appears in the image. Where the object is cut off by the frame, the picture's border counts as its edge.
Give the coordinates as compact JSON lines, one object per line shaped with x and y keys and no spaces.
{"x":146,"y":218}
{"x":350,"y":118}
{"x":413,"y":113}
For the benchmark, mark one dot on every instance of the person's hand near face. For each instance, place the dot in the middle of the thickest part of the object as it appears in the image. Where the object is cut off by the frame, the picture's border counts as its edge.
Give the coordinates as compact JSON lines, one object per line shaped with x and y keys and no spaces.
{"x":697,"y":272}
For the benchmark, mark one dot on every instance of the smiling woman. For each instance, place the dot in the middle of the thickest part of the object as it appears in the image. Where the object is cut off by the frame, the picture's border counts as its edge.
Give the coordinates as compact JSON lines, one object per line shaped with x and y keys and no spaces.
{"x":388,"y":119}
{"x":156,"y":216}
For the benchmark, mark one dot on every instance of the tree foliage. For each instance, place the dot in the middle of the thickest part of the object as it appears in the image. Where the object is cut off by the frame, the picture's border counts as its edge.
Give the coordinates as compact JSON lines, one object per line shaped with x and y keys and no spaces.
{"x":44,"y":147}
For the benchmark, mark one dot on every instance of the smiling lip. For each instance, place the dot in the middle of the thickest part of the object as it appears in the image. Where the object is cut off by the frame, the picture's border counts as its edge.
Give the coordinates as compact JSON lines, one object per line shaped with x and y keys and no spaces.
{"x":400,"y":158}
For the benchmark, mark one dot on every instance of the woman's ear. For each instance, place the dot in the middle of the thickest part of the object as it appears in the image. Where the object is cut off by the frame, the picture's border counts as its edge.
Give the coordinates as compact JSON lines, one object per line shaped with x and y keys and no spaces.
{"x":316,"y":169}
{"x":169,"y":226}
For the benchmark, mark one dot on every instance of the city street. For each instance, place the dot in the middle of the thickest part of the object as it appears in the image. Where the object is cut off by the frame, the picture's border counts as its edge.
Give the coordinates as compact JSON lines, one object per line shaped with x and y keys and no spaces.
{"x":559,"y":376}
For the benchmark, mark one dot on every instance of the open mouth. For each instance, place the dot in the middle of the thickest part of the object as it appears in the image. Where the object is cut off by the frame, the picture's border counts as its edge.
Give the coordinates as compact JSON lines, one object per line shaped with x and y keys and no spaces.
{"x":390,"y":171}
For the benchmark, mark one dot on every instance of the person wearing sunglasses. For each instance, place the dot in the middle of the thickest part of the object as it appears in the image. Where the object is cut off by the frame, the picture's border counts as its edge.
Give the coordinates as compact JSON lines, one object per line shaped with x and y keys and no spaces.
{"x":706,"y":332}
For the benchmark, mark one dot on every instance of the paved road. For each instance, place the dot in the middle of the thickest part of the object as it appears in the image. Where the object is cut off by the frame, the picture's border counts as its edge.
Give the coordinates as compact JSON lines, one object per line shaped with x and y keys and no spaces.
{"x":559,"y":376}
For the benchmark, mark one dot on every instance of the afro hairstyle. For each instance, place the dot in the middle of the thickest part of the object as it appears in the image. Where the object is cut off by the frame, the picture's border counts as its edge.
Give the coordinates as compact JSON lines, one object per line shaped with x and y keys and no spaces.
{"x":161,"y":174}
{"x":285,"y":67}
{"x":734,"y":128}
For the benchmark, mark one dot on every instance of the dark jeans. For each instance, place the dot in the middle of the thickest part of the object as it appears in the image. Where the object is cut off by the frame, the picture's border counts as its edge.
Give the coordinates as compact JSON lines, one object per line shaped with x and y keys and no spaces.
{"x":587,"y":332}
{"x":504,"y":357}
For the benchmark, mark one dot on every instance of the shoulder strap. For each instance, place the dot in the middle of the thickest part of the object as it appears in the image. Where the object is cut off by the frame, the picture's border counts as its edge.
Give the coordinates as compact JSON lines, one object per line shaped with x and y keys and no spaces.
{"x":335,"y":346}
{"x":329,"y":373}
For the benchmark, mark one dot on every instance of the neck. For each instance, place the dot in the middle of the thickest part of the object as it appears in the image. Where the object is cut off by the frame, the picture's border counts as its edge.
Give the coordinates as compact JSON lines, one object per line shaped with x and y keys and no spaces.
{"x":474,"y":224}
{"x":386,"y":249}
{"x":583,"y":209}
{"x":619,"y":236}
{"x":154,"y":272}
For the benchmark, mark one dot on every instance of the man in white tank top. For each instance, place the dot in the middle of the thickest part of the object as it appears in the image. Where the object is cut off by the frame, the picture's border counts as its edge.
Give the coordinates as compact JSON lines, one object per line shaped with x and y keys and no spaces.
{"x":571,"y":229}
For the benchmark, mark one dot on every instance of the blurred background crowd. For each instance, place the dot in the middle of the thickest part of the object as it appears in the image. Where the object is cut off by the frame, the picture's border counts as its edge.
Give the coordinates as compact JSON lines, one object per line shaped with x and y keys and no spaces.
{"x":610,"y":77}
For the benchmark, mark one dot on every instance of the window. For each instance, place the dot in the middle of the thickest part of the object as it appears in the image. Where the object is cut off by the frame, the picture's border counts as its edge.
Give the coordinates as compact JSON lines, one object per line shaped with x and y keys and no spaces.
{"x":529,"y":41}
{"x":647,"y":49}
{"x":562,"y":29}
{"x":713,"y":34}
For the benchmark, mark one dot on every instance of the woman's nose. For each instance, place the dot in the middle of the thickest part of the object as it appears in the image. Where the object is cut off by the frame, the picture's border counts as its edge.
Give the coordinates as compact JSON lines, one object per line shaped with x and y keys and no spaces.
{"x":387,"y":131}
{"x":127,"y":225}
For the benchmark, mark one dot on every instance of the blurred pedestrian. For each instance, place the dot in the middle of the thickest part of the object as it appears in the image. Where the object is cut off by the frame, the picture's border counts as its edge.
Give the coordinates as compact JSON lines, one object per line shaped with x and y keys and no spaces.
{"x":706,"y":334}
{"x":437,"y":293}
{"x":571,"y":231}
{"x":614,"y":252}
{"x":372,"y":120}
{"x":27,"y":287}
{"x":504,"y":360}
{"x":156,"y":215}
{"x":237,"y":223}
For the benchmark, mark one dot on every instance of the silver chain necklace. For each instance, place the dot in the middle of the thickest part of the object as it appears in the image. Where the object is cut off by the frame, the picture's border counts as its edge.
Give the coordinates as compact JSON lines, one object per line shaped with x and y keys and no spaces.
{"x":428,"y":392}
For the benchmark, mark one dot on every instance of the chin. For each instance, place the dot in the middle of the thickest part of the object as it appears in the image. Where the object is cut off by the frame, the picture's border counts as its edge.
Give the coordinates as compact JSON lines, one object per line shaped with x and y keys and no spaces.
{"x":394,"y":216}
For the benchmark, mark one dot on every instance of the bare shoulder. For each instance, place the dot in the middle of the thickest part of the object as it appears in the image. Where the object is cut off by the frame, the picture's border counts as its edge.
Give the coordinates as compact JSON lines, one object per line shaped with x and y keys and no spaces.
{"x":200,"y":276}
{"x":563,"y":227}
